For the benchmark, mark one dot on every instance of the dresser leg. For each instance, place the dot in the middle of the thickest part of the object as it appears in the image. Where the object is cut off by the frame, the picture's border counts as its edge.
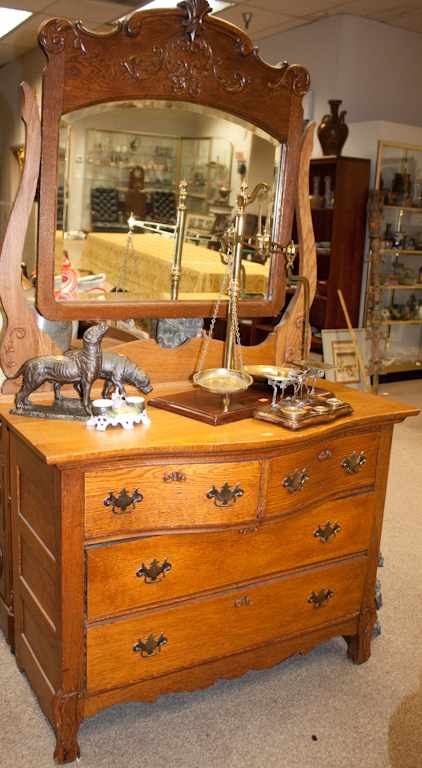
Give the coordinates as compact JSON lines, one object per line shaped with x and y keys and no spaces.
{"x":359,"y":645}
{"x":67,"y":719}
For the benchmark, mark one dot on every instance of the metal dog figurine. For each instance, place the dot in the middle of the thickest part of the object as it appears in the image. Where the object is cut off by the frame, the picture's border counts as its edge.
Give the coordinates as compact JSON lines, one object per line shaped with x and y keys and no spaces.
{"x":81,"y":367}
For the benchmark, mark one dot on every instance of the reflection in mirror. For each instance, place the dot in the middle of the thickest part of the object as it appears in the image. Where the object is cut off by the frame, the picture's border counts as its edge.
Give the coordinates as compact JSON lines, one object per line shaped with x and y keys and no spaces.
{"x":127,"y":160}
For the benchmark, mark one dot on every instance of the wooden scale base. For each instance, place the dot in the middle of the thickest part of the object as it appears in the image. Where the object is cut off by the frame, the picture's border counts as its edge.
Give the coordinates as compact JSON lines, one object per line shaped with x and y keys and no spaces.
{"x":253,"y":403}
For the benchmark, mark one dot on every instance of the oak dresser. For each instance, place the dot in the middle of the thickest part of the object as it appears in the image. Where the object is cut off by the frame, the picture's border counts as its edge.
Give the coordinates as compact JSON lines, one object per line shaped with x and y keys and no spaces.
{"x":131,"y":550}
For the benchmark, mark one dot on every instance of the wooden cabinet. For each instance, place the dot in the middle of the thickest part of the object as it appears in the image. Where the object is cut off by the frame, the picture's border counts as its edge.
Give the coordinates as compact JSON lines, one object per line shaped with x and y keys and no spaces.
{"x":163,"y":559}
{"x":339,"y":191}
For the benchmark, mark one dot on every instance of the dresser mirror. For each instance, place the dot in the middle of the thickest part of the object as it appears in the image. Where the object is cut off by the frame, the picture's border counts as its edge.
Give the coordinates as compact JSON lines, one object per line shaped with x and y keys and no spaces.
{"x":167,"y":96}
{"x":131,"y":158}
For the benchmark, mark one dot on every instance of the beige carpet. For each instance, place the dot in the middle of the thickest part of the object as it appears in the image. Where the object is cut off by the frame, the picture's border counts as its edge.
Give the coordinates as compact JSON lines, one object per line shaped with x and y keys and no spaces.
{"x":314,"y":712}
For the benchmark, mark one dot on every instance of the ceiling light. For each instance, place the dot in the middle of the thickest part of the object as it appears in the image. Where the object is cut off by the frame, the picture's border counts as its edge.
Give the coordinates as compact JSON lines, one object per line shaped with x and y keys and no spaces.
{"x":10,"y":18}
{"x":216,"y":5}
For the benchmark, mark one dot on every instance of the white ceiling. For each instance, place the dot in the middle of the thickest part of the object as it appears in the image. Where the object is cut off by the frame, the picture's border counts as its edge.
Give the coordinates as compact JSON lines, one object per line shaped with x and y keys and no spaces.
{"x":268,"y":16}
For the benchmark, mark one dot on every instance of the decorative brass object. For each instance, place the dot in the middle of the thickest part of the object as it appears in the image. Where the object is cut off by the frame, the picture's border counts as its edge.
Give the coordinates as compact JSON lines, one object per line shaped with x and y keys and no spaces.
{"x":176,"y":270}
{"x":226,"y":496}
{"x":154,"y":572}
{"x":242,"y":601}
{"x":352,"y":464}
{"x":123,"y":503}
{"x":174,"y":477}
{"x":319,"y":599}
{"x":296,"y":481}
{"x":19,"y":153}
{"x":325,"y":454}
{"x":327,"y":531}
{"x":151,"y":646}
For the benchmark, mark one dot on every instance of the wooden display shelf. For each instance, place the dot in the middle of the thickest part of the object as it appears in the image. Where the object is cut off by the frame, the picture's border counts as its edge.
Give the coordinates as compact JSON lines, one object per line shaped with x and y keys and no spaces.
{"x":404,"y":208}
{"x":402,"y":286}
{"x":405,"y":251}
{"x":401,"y":322}
{"x":405,"y":365}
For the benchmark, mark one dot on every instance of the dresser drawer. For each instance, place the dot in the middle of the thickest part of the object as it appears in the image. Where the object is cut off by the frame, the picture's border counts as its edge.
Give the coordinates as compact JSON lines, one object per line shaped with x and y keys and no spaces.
{"x":170,"y":496}
{"x":328,"y":467}
{"x":136,"y":574}
{"x":158,"y":642}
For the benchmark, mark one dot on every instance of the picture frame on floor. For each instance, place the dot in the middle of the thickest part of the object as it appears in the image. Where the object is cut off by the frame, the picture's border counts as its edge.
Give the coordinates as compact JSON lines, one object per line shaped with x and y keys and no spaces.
{"x":339,"y":351}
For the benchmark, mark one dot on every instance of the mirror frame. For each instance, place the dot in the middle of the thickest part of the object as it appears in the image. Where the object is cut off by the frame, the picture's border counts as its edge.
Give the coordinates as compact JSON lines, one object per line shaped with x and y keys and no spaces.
{"x":181,"y":54}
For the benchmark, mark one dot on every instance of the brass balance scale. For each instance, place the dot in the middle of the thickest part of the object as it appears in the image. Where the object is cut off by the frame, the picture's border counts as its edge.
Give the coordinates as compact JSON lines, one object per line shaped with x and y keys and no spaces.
{"x":223,"y":394}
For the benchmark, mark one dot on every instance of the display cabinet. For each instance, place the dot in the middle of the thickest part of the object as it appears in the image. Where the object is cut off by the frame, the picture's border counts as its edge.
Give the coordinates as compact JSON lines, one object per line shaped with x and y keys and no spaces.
{"x":206,"y":166}
{"x":111,"y":158}
{"x":394,"y":293}
{"x":339,"y":191}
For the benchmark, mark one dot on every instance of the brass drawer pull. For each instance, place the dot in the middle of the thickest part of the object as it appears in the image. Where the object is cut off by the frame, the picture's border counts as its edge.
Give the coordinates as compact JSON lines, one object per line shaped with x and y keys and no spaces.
{"x":325,"y":454}
{"x":151,"y":646}
{"x":154,"y":572}
{"x":174,"y":477}
{"x":123,"y":503}
{"x":327,"y":531}
{"x":296,"y":481}
{"x":321,"y":598}
{"x":352,"y":464}
{"x":242,"y":601}
{"x":226,"y":496}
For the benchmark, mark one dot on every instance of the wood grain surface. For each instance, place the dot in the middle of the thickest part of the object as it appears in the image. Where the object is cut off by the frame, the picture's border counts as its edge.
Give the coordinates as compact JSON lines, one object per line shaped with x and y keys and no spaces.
{"x":322,"y":462}
{"x":72,"y":443}
{"x":213,"y":560}
{"x":170,"y":503}
{"x":219,"y":626}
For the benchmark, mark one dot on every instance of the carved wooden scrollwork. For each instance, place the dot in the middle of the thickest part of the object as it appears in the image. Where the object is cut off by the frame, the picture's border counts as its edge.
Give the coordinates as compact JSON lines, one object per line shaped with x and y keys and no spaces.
{"x":53,"y":36}
{"x":294,"y":77}
{"x":188,"y":64}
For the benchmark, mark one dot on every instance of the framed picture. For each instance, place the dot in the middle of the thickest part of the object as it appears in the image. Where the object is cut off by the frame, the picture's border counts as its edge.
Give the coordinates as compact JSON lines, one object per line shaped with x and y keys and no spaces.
{"x":338,"y":350}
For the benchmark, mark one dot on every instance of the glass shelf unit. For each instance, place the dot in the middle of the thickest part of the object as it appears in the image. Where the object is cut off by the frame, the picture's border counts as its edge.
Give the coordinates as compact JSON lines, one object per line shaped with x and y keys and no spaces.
{"x":394,"y":299}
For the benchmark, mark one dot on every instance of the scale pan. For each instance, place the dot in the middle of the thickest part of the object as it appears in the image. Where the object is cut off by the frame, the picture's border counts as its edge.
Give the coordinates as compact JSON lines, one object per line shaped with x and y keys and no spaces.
{"x":313,"y":364}
{"x":275,"y":372}
{"x":223,"y":381}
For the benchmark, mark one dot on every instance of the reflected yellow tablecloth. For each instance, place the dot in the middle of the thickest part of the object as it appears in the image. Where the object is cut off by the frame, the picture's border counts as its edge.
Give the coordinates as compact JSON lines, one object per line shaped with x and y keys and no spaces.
{"x":149,"y":266}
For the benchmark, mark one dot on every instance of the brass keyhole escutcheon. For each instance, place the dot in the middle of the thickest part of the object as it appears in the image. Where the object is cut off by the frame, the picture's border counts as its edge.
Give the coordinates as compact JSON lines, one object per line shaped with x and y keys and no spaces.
{"x":242,"y":602}
{"x":296,"y":481}
{"x":325,"y":454}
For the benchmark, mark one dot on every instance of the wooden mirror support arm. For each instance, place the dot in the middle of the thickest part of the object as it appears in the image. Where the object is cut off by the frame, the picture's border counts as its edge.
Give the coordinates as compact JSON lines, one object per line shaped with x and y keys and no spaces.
{"x":21,"y":339}
{"x":289,"y":332}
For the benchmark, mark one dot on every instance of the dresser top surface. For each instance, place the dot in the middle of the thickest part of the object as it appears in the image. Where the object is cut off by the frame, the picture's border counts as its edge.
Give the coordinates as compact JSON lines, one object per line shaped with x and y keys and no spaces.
{"x":64,"y":442}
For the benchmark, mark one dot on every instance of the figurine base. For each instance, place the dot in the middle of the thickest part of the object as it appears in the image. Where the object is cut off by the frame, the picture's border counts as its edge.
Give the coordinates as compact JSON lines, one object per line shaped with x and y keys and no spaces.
{"x":319,"y":411}
{"x":66,"y":409}
{"x":208,"y":407}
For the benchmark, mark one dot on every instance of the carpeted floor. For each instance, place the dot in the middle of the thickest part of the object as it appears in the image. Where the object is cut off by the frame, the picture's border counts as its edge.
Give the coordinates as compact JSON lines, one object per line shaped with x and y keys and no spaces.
{"x":314,"y":712}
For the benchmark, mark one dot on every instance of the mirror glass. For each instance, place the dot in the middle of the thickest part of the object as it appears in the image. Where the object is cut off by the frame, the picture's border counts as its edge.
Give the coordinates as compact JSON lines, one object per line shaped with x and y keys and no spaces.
{"x":128,"y":158}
